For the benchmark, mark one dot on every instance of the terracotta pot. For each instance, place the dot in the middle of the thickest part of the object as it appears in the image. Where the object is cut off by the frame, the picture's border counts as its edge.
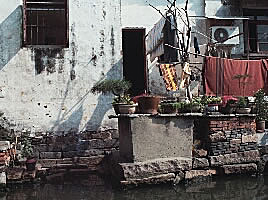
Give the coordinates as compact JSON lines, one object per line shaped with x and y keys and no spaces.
{"x":148,"y":104}
{"x":260,"y":126}
{"x":195,"y":108}
{"x":127,"y":109}
{"x":227,"y":110}
{"x":30,"y":164}
{"x":116,"y":107}
{"x":243,"y":110}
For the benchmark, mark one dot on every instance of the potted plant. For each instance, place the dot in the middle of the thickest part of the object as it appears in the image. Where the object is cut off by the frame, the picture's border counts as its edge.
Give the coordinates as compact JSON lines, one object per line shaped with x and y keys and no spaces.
{"x":119,"y":88}
{"x":228,"y":104}
{"x":212,"y":103}
{"x":261,"y":110}
{"x":27,"y":152}
{"x":242,"y":106}
{"x":169,"y":107}
{"x":196,"y":104}
{"x":124,"y":104}
{"x":147,"y":104}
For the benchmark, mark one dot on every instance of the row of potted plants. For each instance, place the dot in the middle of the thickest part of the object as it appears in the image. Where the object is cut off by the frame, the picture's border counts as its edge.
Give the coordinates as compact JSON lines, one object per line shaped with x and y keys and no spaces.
{"x":124,"y":104}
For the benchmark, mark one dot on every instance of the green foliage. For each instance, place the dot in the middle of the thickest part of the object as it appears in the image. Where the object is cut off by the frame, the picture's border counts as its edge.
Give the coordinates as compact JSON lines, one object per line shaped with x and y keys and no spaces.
{"x":173,"y":105}
{"x":117,"y":87}
{"x":125,"y":99}
{"x":27,"y":147}
{"x":210,"y":100}
{"x":261,"y":105}
{"x":242,"y":102}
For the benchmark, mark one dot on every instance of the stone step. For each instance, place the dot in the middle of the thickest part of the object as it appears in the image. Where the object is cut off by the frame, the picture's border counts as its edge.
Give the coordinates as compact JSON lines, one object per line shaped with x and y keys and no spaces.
{"x":150,"y":168}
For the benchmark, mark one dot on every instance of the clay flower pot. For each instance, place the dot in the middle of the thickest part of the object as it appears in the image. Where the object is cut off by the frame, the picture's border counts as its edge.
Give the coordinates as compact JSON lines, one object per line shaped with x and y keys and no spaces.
{"x":148,"y":104}
{"x":260,"y":126}
{"x":127,"y":109}
{"x":243,"y":110}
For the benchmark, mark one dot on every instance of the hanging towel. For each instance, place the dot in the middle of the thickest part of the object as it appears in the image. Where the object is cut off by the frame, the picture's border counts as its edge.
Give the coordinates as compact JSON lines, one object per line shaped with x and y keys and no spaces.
{"x":185,"y":75}
{"x":169,"y":76}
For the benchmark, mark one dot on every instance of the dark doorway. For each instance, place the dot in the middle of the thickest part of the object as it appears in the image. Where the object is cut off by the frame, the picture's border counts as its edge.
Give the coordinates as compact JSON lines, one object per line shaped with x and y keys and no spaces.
{"x":134,"y":59}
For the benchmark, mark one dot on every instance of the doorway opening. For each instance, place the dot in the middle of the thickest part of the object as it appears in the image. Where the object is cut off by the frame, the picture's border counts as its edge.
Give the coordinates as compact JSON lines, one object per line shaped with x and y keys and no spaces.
{"x":134,"y":59}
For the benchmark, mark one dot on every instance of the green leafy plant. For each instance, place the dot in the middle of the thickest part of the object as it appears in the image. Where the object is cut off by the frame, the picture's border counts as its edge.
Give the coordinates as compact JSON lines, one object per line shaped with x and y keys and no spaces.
{"x":117,"y":87}
{"x":242,"y":102}
{"x":261,"y":105}
{"x":169,"y":107}
{"x":123,"y":99}
{"x":210,"y":100}
{"x":27,"y":147}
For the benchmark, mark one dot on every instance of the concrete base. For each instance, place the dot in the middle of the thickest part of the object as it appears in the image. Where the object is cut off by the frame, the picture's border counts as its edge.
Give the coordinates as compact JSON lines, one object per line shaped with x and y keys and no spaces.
{"x":143,"y":138}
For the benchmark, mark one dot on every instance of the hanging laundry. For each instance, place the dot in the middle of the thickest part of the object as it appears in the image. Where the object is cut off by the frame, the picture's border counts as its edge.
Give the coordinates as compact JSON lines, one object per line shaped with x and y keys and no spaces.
{"x":196,"y":46}
{"x":169,"y":76}
{"x":234,"y":77}
{"x":185,"y":75}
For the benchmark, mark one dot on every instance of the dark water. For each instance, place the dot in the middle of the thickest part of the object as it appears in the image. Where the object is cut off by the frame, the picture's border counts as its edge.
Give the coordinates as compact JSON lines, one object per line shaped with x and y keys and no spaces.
{"x":94,"y":188}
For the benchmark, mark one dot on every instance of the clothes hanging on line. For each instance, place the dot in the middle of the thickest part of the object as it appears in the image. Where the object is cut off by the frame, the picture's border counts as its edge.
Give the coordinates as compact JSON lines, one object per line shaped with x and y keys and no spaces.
{"x":169,"y":76}
{"x":185,"y":75}
{"x":234,"y":77}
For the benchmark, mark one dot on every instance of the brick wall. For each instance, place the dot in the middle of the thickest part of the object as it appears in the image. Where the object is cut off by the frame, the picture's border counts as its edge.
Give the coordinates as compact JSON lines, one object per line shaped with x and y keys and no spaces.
{"x":85,"y":150}
{"x":226,"y":143}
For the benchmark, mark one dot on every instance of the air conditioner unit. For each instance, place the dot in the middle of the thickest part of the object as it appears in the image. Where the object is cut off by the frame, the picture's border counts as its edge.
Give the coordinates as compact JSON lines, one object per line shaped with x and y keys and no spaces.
{"x":221,"y":34}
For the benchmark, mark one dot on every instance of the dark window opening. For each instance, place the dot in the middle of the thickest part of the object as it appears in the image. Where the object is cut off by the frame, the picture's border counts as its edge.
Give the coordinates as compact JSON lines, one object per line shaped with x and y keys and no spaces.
{"x":45,"y":22}
{"x":134,"y":59}
{"x":257,"y":29}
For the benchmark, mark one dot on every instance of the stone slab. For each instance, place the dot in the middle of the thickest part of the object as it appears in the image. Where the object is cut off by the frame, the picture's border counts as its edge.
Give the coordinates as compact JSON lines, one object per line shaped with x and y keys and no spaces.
{"x":235,"y":158}
{"x":249,"y":138}
{"x":4,"y":145}
{"x":240,"y":168}
{"x":197,"y":173}
{"x":164,"y":178}
{"x":154,"y":167}
{"x":50,"y":155}
{"x":14,"y":173}
{"x":200,"y":163}
{"x":199,"y":153}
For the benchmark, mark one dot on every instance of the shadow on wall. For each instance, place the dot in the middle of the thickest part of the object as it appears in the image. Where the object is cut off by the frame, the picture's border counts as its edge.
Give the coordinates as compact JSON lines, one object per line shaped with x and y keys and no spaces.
{"x":10,"y":36}
{"x":73,"y":121}
{"x":104,"y":101}
{"x":104,"y":104}
{"x":228,"y":11}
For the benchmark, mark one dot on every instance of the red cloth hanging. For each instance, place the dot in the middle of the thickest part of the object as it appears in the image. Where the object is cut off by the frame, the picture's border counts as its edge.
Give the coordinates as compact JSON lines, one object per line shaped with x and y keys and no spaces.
{"x":234,"y":77}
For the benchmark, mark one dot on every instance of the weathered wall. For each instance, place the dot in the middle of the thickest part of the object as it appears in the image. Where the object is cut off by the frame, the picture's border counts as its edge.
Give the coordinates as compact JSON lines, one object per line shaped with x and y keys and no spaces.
{"x":145,"y":138}
{"x":49,"y":89}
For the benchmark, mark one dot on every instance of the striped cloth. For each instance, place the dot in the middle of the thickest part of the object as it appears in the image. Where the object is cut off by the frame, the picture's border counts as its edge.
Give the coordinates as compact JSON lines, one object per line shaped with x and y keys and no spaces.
{"x":170,"y":76}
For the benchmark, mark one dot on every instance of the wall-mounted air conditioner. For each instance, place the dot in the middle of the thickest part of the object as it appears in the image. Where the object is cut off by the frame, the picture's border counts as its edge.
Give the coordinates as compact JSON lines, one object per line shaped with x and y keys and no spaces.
{"x":221,"y":34}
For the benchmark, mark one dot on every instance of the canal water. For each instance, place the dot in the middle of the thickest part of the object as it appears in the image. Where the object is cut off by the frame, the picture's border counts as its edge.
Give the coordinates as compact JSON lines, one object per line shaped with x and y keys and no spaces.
{"x":95,"y":188}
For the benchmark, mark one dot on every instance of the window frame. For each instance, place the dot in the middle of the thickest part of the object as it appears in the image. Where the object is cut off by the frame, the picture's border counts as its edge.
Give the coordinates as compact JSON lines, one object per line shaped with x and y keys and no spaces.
{"x":26,"y":9}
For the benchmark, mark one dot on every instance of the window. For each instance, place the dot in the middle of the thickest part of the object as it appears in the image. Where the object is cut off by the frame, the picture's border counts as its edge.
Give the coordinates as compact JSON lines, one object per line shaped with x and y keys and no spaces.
{"x":45,"y":23}
{"x":257,"y":29}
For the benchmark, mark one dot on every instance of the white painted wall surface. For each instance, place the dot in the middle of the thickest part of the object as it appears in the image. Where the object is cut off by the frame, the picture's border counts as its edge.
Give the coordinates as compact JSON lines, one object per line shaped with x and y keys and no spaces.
{"x":51,"y":101}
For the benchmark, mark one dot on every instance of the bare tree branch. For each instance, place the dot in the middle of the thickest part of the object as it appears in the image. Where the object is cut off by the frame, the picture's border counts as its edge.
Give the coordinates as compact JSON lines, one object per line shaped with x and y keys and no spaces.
{"x":165,"y":18}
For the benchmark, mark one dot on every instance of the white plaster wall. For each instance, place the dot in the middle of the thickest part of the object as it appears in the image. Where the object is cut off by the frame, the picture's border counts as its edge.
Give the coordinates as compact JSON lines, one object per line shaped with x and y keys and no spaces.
{"x":50,"y":100}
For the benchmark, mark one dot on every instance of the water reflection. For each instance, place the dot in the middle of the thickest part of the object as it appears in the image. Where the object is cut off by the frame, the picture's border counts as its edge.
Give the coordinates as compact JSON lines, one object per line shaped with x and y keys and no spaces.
{"x":94,"y":188}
